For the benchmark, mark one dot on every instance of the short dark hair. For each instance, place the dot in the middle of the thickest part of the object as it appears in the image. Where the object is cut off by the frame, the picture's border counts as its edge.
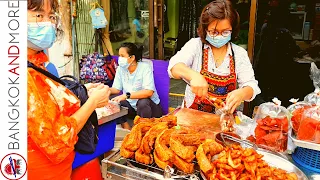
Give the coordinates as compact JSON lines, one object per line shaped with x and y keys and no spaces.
{"x":38,"y":4}
{"x":133,"y":49}
{"x":218,"y":10}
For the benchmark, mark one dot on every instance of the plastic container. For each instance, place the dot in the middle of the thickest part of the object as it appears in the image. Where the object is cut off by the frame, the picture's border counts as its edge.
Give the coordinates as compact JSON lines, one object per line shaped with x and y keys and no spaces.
{"x":304,"y":144}
{"x":309,"y":129}
{"x":296,"y":110}
{"x":307,"y":158}
{"x":272,"y":126}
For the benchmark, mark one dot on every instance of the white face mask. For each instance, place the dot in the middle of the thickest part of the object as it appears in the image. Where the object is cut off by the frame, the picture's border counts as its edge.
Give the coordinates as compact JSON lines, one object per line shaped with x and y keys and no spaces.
{"x":41,"y":35}
{"x":123,"y":62}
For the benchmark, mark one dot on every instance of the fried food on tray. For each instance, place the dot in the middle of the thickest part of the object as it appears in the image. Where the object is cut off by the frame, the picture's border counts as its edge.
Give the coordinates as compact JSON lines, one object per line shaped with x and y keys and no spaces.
{"x":161,"y":146}
{"x":171,"y":119}
{"x":205,"y":152}
{"x":183,"y":165}
{"x":245,"y":164}
{"x":162,"y":164}
{"x":184,"y":144}
{"x":133,"y":141}
{"x":142,"y":157}
{"x":148,"y":140}
{"x":125,"y":152}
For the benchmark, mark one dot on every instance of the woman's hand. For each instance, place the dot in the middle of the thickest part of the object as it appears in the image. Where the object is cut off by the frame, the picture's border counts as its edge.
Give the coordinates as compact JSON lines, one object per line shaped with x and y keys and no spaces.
{"x":100,"y":94}
{"x":119,"y":98}
{"x":234,"y":99}
{"x":199,"y":85}
{"x":90,"y":86}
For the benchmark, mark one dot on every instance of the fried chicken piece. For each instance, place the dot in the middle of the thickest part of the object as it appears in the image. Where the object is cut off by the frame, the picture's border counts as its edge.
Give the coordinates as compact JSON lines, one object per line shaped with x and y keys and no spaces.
{"x":150,"y":137}
{"x":181,"y":150}
{"x":183,"y":165}
{"x":142,"y":157}
{"x":161,"y":145}
{"x":124,"y":152}
{"x":160,"y":163}
{"x":171,"y":119}
{"x":292,"y":176}
{"x":132,"y":143}
{"x":139,"y":119}
{"x":208,"y":147}
{"x":183,"y":145}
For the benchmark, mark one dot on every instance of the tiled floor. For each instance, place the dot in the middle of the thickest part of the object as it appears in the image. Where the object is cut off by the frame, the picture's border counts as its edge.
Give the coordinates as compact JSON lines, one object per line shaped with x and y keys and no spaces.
{"x":176,"y":87}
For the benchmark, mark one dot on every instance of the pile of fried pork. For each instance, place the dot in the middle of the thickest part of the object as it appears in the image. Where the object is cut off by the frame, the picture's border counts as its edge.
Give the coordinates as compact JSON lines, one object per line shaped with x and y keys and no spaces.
{"x":160,"y":140}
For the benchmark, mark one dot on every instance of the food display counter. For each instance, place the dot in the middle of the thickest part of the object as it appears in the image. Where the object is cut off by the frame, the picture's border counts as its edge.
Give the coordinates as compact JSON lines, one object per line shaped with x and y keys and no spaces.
{"x":115,"y":166}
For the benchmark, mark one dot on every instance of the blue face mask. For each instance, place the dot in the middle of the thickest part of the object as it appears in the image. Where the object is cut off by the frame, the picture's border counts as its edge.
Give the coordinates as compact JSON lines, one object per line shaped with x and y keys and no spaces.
{"x":123,"y":62}
{"x":41,"y":35}
{"x":218,"y":41}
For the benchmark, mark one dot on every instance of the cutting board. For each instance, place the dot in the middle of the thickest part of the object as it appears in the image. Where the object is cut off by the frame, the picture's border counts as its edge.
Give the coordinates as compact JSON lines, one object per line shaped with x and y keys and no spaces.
{"x":206,"y":123}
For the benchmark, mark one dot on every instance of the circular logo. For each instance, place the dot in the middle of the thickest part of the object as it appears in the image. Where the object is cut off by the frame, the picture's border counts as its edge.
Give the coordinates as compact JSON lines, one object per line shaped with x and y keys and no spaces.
{"x":13,"y":166}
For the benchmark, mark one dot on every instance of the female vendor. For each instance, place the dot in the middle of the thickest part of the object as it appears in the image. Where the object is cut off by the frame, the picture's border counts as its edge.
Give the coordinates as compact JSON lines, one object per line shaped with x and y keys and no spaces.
{"x":135,"y":79}
{"x":213,"y":66}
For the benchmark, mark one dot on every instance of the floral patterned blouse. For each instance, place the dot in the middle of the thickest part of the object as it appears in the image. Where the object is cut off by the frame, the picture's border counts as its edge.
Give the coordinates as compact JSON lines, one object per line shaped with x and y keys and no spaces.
{"x":51,"y":129}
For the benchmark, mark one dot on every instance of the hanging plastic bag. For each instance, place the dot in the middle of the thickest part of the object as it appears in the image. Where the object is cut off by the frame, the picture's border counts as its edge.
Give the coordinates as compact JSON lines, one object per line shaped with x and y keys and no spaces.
{"x":272,"y":126}
{"x":314,"y":97}
{"x":309,"y":129}
{"x":97,"y":17}
{"x":296,"y":111}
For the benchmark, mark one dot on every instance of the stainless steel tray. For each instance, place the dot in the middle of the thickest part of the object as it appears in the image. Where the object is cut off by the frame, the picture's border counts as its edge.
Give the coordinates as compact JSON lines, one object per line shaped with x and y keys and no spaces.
{"x":116,"y":167}
{"x":279,"y":162}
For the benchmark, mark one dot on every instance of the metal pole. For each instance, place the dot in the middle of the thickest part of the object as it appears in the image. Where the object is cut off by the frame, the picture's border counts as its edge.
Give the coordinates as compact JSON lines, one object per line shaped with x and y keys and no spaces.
{"x":75,"y":63}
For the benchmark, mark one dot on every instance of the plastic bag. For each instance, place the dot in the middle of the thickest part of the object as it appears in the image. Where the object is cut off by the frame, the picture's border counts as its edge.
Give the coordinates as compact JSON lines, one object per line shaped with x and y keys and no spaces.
{"x":109,"y":109}
{"x":227,"y":122}
{"x":309,"y":129}
{"x":296,"y":111}
{"x":272,"y":126}
{"x":244,"y":125}
{"x":314,"y":97}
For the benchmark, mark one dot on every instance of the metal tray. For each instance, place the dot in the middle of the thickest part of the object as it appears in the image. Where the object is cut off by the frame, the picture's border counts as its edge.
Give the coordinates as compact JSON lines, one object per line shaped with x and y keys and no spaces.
{"x":274,"y":160}
{"x":116,"y":167}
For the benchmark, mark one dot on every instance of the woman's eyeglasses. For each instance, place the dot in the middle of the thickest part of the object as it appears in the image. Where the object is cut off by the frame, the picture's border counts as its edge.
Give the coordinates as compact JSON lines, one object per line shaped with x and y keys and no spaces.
{"x":215,"y":33}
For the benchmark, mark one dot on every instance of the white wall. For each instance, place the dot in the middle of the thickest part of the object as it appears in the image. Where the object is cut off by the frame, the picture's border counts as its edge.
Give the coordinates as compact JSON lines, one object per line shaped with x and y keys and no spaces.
{"x":56,"y":56}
